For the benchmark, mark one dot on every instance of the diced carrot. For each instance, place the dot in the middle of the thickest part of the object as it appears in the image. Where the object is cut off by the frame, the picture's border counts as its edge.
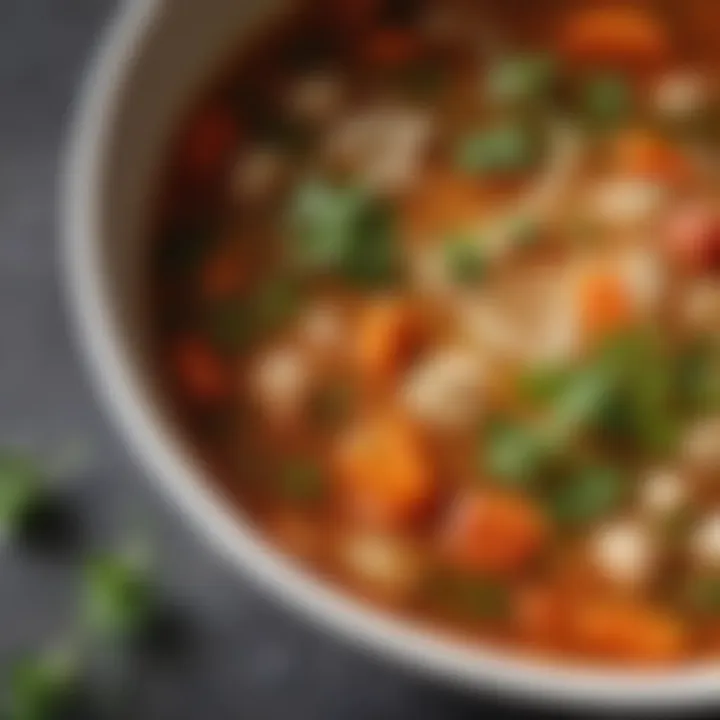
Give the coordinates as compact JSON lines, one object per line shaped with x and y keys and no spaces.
{"x":387,"y":335}
{"x":222,"y":274}
{"x":538,"y":613}
{"x":604,"y":303}
{"x":383,"y":472}
{"x":210,"y":143}
{"x":647,"y":155}
{"x":494,"y":533}
{"x":390,"y":47}
{"x":199,"y":370}
{"x":620,"y":36}
{"x":627,"y":631}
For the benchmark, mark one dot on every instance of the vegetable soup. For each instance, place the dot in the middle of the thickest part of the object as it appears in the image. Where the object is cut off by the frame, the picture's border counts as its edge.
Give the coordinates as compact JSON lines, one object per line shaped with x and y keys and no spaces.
{"x":437,"y":300}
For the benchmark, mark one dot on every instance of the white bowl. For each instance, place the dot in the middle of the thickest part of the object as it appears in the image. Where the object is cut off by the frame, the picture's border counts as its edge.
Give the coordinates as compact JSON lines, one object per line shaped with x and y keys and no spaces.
{"x":150,"y":64}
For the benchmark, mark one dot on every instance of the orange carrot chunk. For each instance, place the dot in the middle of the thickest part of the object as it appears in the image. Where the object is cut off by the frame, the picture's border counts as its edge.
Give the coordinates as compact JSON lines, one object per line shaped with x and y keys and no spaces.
{"x":494,"y":533}
{"x":643,"y":154}
{"x":387,"y":336}
{"x":199,"y":371}
{"x":604,"y":302}
{"x":623,"y":36}
{"x":629,"y":632}
{"x":383,"y":472}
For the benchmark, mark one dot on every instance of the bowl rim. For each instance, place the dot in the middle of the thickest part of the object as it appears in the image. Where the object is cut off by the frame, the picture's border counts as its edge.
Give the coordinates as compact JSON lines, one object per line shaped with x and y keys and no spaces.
{"x":86,"y":160}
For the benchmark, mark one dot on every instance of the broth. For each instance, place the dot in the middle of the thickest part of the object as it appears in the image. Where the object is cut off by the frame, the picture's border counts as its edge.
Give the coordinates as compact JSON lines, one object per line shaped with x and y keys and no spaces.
{"x":436,"y":299}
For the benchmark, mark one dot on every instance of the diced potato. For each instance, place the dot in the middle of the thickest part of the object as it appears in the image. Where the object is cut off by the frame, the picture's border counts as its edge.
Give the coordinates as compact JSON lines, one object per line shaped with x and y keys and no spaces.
{"x":281,"y":381}
{"x":624,"y":553}
{"x":382,"y":563}
{"x":623,"y":202}
{"x":700,"y":306}
{"x":705,"y":541}
{"x":445,"y":390}
{"x":663,"y":492}
{"x":383,"y":147}
{"x":680,"y":95}
{"x":323,"y":329}
{"x":700,"y":445}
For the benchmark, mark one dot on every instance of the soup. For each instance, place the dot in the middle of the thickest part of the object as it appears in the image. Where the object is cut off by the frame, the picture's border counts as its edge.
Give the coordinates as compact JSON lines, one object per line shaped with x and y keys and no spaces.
{"x":436,"y":299}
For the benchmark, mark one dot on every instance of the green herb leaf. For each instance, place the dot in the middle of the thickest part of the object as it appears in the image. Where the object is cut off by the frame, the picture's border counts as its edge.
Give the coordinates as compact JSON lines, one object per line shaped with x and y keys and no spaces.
{"x":541,"y":385}
{"x":586,"y":495}
{"x":20,"y":488}
{"x":343,"y":230}
{"x":120,"y":600}
{"x":521,"y":78}
{"x":502,"y":150}
{"x":698,"y":377}
{"x":607,"y":99}
{"x":513,"y":454}
{"x":44,"y":688}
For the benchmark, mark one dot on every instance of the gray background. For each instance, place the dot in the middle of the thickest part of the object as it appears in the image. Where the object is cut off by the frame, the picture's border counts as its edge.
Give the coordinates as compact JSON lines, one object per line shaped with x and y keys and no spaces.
{"x":248,"y":658}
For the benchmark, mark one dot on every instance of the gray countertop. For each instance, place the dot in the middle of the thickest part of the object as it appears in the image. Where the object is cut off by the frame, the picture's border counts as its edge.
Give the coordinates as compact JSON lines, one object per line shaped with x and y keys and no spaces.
{"x":248,"y":658}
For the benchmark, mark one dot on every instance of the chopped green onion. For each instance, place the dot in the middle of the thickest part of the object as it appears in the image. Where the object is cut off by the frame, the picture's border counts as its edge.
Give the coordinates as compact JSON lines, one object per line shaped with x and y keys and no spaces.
{"x":586,"y":495}
{"x":607,"y":99}
{"x":343,"y":230}
{"x":21,"y":489}
{"x":502,"y":150}
{"x":120,"y":600}
{"x":44,"y":688}
{"x":513,"y":455}
{"x":521,"y":78}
